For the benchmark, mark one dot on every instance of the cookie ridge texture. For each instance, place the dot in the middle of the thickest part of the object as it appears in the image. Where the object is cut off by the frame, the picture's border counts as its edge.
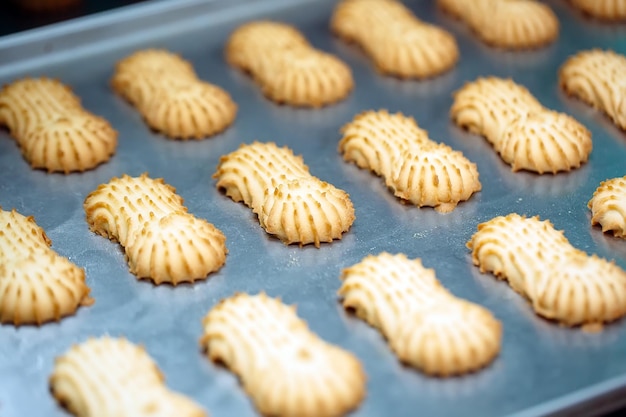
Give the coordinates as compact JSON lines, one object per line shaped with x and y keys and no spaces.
{"x":608,"y":206}
{"x":52,"y":129}
{"x":161,"y":240}
{"x":286,"y":369}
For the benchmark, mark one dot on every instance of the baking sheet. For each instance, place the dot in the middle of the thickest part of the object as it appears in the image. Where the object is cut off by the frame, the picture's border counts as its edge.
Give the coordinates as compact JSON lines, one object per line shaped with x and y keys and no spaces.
{"x":543,"y":368}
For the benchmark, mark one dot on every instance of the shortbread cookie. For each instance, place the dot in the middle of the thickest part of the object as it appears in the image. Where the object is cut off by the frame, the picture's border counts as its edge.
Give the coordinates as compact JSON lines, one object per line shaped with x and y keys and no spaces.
{"x":509,"y":24}
{"x":414,"y":167}
{"x":608,"y":206}
{"x":397,"y":41}
{"x":286,"y":67}
{"x":170,"y":97}
{"x":525,"y":134}
{"x":286,"y":369}
{"x":162,"y":241}
{"x":602,"y":9}
{"x":52,"y":129}
{"x":561,"y":282}
{"x":597,"y":78}
{"x":290,"y":203}
{"x":37,"y":284}
{"x":426,"y":326}
{"x":109,"y":377}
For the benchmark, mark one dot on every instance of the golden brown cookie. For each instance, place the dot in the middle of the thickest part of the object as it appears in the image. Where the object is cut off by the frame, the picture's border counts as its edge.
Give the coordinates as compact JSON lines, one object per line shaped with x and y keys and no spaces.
{"x":524,"y":133}
{"x":37,"y":285}
{"x":162,"y":241}
{"x":286,"y":369}
{"x":52,"y":129}
{"x":290,"y":203}
{"x":426,"y":326}
{"x":414,"y":167}
{"x":286,"y":67}
{"x":111,"y":377}
{"x":608,"y":206}
{"x":561,"y":282}
{"x":170,"y":97}
{"x":397,"y":41}
{"x":602,"y":9}
{"x":597,"y":78}
{"x":509,"y":24}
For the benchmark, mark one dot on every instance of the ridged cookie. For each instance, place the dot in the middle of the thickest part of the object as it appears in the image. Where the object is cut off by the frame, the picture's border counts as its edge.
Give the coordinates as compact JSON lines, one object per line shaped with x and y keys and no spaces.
{"x":52,"y":129}
{"x":170,"y":97}
{"x":162,"y":241}
{"x":290,"y":203}
{"x":286,"y":369}
{"x":37,"y":285}
{"x":425,"y":325}
{"x":608,"y":206}
{"x":111,"y":377}
{"x":508,"y":24}
{"x":286,"y":67}
{"x":602,"y":9}
{"x":525,"y":134}
{"x":597,"y":78}
{"x":414,"y":167}
{"x":398,"y":42}
{"x":561,"y":282}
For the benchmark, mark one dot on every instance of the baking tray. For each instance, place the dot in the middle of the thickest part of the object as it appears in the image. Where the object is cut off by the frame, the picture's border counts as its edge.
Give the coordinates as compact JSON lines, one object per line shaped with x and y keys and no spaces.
{"x":543,"y":369}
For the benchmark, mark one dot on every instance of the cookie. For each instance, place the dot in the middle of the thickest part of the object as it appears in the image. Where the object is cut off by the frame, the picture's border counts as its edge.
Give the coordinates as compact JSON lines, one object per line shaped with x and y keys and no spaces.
{"x":112,"y":377}
{"x":525,"y":134}
{"x":602,"y":9}
{"x":597,"y":78}
{"x":398,"y":42}
{"x":286,"y":67}
{"x":425,"y":325}
{"x":608,"y":206}
{"x":290,"y":203}
{"x":415,"y":168}
{"x":37,"y":285}
{"x":171,"y":98}
{"x":52,"y":129}
{"x":286,"y":369}
{"x":161,"y":240}
{"x":561,"y":282}
{"x":507,"y":24}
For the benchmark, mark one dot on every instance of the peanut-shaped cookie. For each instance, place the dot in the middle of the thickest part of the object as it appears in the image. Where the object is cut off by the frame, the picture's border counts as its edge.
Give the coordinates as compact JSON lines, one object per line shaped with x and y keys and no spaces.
{"x":608,"y":206}
{"x":52,"y":129}
{"x":525,"y":134}
{"x":611,"y":10}
{"x":162,"y":241}
{"x":290,"y":203}
{"x":286,"y":369}
{"x":561,"y":282}
{"x":414,"y":167}
{"x":37,"y":284}
{"x":426,"y":326}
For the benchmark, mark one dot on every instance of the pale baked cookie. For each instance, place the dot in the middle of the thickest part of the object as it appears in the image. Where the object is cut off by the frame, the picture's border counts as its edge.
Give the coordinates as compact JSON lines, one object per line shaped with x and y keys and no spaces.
{"x":608,"y":206}
{"x":398,"y":42}
{"x":52,"y":129}
{"x":599,"y":79}
{"x":286,"y":369}
{"x":602,"y":9}
{"x":162,"y":241}
{"x":426,"y":326}
{"x":170,"y":97}
{"x":414,"y":167}
{"x":525,"y":134}
{"x":290,"y":203}
{"x":509,"y":24}
{"x":287,"y":68}
{"x":37,"y":285}
{"x":111,"y":377}
{"x":561,"y":282}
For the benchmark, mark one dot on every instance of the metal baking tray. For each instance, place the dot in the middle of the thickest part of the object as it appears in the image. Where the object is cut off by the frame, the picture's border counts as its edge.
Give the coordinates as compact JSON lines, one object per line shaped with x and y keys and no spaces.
{"x":543,"y":369}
